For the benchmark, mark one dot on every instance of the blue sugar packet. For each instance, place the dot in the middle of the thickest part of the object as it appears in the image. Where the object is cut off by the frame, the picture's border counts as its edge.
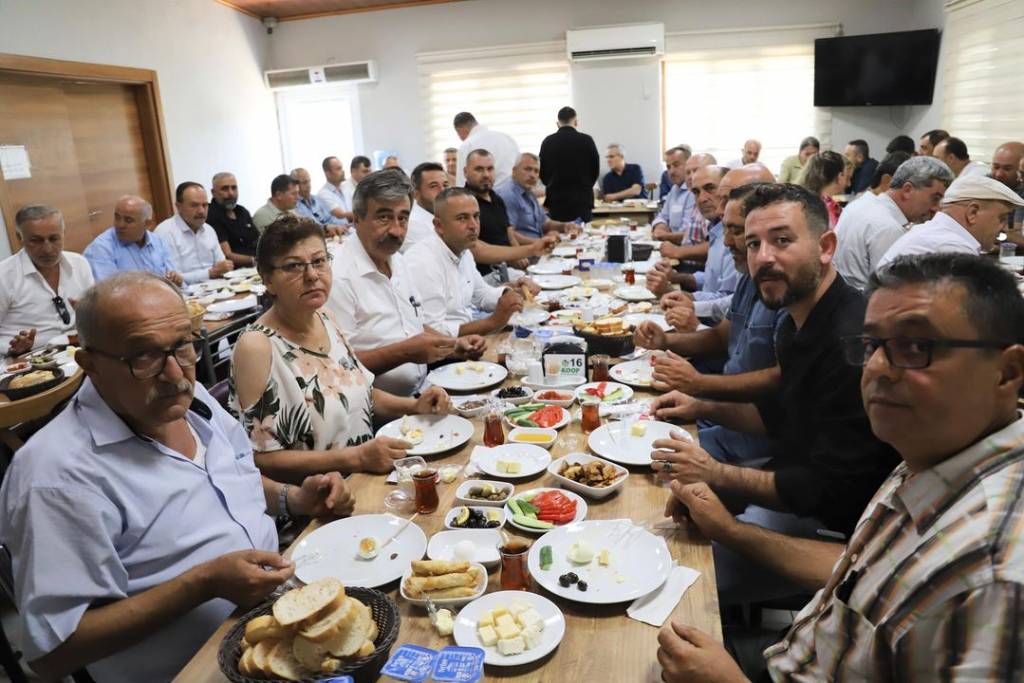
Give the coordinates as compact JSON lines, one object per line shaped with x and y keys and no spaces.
{"x":462,"y":664}
{"x":410,"y":663}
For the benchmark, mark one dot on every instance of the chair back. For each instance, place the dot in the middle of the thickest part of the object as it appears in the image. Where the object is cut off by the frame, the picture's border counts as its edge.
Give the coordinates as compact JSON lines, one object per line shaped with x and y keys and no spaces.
{"x":6,"y":574}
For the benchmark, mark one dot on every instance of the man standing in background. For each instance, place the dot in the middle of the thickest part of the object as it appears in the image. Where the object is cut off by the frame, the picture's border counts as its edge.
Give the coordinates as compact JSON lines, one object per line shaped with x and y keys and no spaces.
{"x":474,"y":136}
{"x":569,"y":167}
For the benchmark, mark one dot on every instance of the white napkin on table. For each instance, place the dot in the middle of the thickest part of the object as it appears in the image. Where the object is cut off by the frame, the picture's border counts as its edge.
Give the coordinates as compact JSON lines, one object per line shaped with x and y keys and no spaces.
{"x":654,"y":608}
{"x":473,"y":466}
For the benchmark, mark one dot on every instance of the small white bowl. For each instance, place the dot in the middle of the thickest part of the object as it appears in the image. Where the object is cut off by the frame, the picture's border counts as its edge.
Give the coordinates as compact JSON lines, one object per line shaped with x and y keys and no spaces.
{"x":583,"y":489}
{"x":449,"y":517}
{"x":552,"y":435}
{"x":457,"y":401}
{"x":516,"y":400}
{"x":564,"y":403}
{"x":462,"y":493}
{"x":481,"y":587}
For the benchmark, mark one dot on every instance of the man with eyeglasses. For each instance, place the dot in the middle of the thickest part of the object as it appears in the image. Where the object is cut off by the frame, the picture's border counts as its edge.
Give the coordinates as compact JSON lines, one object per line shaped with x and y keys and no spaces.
{"x":622,"y":181}
{"x":137,"y":520}
{"x":929,"y":586}
{"x":825,"y":462}
{"x":40,"y":283}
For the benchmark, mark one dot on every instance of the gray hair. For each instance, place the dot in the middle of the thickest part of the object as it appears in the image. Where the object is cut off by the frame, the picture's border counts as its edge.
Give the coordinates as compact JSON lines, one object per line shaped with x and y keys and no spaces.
{"x":388,"y":186}
{"x":147,"y":208}
{"x":35,"y":212}
{"x":451,"y":149}
{"x":220,"y":176}
{"x":617,"y":147}
{"x":293,"y":173}
{"x":442,"y":198}
{"x":530,"y":155}
{"x":683,"y":147}
{"x":704,"y":159}
{"x":90,"y":313}
{"x":921,"y":172}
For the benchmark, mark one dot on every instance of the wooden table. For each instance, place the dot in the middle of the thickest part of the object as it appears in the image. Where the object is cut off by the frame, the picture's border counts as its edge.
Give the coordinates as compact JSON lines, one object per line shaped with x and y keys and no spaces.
{"x":639,"y":212}
{"x":601,"y":643}
{"x":13,"y":413}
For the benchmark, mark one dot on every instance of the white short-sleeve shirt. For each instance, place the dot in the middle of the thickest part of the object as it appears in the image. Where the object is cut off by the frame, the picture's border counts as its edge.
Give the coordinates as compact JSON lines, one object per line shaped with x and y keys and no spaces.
{"x":940,"y":235}
{"x":866,"y":230}
{"x":195,"y":251}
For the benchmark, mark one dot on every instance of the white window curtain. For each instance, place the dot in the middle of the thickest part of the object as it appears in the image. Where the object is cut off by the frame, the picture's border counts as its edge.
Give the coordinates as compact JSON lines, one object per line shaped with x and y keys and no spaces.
{"x":720,"y":88}
{"x":983,"y":91}
{"x":517,"y":89}
{"x":315,"y":122}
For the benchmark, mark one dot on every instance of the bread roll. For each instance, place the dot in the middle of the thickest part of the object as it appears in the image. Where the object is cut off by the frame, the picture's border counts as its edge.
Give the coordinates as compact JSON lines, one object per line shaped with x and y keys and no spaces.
{"x":437,"y":567}
{"x":423,"y":584}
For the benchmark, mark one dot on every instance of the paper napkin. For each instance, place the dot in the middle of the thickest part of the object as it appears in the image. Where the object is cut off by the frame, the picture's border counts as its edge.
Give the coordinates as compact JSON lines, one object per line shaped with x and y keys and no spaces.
{"x":654,"y":608}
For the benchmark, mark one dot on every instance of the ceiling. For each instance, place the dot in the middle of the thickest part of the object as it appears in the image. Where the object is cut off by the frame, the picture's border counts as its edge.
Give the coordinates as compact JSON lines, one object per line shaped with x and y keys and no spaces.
{"x":307,"y":9}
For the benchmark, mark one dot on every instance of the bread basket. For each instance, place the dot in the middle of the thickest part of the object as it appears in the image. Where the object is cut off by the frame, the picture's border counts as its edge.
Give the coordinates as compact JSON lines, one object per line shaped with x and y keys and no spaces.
{"x":609,"y":345}
{"x":385,"y":614}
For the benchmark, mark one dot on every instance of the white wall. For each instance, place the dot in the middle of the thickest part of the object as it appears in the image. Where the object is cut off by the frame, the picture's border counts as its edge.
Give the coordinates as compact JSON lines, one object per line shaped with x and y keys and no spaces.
{"x":616,"y":101}
{"x":209,"y":61}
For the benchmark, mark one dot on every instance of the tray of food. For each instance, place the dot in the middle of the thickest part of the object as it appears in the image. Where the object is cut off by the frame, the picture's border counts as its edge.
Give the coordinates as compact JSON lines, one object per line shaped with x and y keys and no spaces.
{"x":30,"y":383}
{"x":610,"y":336}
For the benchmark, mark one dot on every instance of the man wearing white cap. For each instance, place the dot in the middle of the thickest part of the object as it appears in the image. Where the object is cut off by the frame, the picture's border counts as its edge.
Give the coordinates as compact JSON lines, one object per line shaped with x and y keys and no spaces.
{"x":974,"y":210}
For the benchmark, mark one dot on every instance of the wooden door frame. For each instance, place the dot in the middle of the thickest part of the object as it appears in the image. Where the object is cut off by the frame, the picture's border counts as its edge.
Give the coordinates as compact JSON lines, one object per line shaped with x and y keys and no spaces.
{"x":151,"y":120}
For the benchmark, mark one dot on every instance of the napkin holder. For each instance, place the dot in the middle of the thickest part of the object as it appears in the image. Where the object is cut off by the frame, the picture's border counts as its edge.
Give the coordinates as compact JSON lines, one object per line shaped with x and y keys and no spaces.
{"x":619,"y":249}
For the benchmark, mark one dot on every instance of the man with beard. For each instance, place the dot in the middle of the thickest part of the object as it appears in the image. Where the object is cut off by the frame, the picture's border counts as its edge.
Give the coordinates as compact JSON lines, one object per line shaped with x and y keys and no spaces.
{"x":232,"y":221}
{"x":428,"y":181}
{"x":374,"y":297}
{"x":827,"y":463}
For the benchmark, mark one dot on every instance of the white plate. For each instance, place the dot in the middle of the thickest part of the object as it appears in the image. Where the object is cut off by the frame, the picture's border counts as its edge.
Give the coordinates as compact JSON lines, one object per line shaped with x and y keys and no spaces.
{"x":566,"y":417}
{"x":584,"y":489}
{"x":234,"y":305}
{"x":613,"y":441}
{"x":634,"y":293}
{"x":440,"y":432}
{"x":331,"y":551}
{"x":529,"y":316}
{"x":462,"y":494}
{"x":658,"y":319}
{"x":639,"y":267}
{"x":565,"y":402}
{"x":578,"y":293}
{"x":564,"y":252}
{"x":222,"y":294}
{"x":554,"y":626}
{"x":557,"y":281}
{"x":533,"y":460}
{"x":629,"y":373}
{"x":449,"y":517}
{"x":458,"y":401}
{"x":640,"y":562}
{"x":563,"y":384}
{"x":449,"y":377}
{"x":442,"y":545}
{"x":599,"y":283}
{"x":239,"y":273}
{"x":581,"y":509}
{"x":514,"y":400}
{"x":481,"y":588}
{"x":553,"y":267}
{"x":627,"y":393}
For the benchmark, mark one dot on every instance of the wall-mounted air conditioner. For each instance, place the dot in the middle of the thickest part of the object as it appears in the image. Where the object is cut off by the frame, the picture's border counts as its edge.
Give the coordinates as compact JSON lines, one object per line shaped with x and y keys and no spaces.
{"x":325,"y":74}
{"x":615,"y":42}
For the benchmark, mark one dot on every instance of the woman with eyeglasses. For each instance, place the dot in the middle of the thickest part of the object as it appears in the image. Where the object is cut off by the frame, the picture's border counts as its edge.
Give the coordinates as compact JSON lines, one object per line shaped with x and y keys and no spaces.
{"x":306,"y":401}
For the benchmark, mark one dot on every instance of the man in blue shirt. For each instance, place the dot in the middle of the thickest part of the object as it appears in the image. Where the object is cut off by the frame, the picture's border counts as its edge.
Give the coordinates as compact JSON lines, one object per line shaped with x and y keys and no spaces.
{"x":622,"y":181}
{"x":137,"y":520}
{"x":666,"y":182}
{"x":680,"y":224}
{"x":130,"y":245}
{"x":311,"y":206}
{"x":524,"y":211}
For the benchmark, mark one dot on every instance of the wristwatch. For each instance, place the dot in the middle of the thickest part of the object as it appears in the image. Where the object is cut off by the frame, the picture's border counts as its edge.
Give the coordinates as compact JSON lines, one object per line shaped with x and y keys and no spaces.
{"x":282,"y":502}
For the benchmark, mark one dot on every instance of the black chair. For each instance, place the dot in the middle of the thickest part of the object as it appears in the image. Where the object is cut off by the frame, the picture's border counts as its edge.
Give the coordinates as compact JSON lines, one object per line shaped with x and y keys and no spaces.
{"x":9,"y":658}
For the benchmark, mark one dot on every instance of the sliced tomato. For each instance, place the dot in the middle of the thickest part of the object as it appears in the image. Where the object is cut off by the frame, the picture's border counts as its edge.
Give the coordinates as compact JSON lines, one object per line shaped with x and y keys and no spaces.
{"x":547,"y":416}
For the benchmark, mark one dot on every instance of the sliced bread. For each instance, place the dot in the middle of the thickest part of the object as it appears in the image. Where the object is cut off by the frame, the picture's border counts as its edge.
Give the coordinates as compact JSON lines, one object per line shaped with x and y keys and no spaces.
{"x":332,"y":621}
{"x":283,"y":663}
{"x":353,"y":638}
{"x":263,"y":628}
{"x":261,"y":655}
{"x":310,"y":654}
{"x":365,"y":651}
{"x":302,"y":603}
{"x":245,"y":665}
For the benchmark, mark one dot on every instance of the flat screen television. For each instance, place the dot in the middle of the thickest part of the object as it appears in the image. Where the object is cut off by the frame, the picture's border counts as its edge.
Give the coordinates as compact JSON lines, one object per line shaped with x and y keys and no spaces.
{"x":876,"y":69}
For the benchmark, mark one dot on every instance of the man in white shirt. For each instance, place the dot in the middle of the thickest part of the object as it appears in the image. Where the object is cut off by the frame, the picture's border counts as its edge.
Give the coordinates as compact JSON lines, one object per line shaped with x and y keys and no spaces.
{"x":953,"y":151}
{"x":451,"y":161}
{"x":358,"y":169}
{"x":869,"y":226}
{"x":428,"y":181}
{"x":193,"y":244}
{"x":974,"y":211}
{"x":332,"y":194}
{"x":751,"y":152}
{"x":375,"y":299}
{"x":474,"y":136}
{"x":40,"y":284}
{"x":446,"y":275}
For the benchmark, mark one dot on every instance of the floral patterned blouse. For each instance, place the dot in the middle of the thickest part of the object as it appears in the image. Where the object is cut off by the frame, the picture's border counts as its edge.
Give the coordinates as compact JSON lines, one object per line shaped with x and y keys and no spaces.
{"x":312,"y":401}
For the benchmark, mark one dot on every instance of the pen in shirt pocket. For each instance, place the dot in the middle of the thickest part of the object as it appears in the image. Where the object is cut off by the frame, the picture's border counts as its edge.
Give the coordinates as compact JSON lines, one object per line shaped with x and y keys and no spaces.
{"x":415,"y":305}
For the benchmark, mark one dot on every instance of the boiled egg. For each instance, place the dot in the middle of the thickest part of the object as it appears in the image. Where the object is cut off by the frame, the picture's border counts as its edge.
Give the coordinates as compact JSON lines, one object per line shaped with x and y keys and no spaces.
{"x":367,"y":548}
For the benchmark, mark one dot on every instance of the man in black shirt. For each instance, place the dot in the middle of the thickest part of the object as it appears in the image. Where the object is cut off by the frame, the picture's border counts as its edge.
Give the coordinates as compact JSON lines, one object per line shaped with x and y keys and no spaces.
{"x":569,"y":167}
{"x":497,"y":245}
{"x":232,"y":221}
{"x":828,"y":463}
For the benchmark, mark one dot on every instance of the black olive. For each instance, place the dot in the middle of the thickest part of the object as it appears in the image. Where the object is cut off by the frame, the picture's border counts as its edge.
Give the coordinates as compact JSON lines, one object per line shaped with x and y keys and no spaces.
{"x":582,"y":585}
{"x":564,"y":581}
{"x":572,"y":577}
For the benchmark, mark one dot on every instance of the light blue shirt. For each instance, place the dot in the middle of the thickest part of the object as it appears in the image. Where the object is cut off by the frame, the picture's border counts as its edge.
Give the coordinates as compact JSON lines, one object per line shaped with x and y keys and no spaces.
{"x":752,"y":330}
{"x":680,"y":213}
{"x":93,"y":512}
{"x":524,"y":211}
{"x":717,"y":281}
{"x":316,"y":210}
{"x":108,"y":255}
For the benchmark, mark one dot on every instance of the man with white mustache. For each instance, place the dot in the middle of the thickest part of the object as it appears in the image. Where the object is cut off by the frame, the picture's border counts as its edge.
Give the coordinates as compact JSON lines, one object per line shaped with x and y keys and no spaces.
{"x":136,"y":519}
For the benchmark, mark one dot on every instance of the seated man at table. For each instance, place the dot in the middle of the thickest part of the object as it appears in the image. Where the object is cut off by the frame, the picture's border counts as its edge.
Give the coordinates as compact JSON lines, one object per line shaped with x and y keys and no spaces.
{"x":312,"y":206}
{"x":332,"y":195}
{"x":525,"y":214}
{"x":622,"y":181}
{"x":136,"y":519}
{"x":446,"y":276}
{"x":679,"y":223}
{"x":928,"y":588}
{"x":193,"y":243}
{"x":232,"y":221}
{"x":284,"y":195}
{"x":498,"y":246}
{"x":40,"y":284}
{"x":374,"y":297}
{"x":666,"y":182}
{"x":428,"y":181}
{"x":129,"y":244}
{"x":827,"y":463}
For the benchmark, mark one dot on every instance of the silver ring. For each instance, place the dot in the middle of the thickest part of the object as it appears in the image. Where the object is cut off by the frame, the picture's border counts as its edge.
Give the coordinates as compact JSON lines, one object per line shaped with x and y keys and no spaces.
{"x":666,"y":466}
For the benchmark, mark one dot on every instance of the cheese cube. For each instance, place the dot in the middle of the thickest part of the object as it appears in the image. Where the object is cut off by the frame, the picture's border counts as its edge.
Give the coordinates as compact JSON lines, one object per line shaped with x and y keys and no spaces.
{"x":638,"y":429}
{"x":488,"y":636}
{"x":460,"y":370}
{"x":531,"y":637}
{"x":517,"y":608}
{"x":445,"y":622}
{"x":511,"y":646}
{"x":530,"y":618}
{"x":507,"y":628}
{"x":603,"y":558}
{"x":509,"y":466}
{"x":486,"y":619}
{"x":498,"y":611}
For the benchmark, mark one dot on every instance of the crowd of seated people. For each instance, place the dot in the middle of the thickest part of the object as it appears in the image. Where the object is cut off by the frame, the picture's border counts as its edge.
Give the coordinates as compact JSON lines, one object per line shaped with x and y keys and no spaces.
{"x":831,"y":324}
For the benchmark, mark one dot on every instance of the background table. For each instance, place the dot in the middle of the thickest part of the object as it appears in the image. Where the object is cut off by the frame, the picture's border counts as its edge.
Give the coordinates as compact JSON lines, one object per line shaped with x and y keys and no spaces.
{"x":13,"y":413}
{"x":601,"y":643}
{"x":641,"y":213}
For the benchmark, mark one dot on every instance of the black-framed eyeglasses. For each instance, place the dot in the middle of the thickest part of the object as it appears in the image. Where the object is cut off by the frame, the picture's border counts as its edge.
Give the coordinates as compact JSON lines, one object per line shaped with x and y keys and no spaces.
{"x":151,"y":363}
{"x":909,"y":353}
{"x":298,"y":268}
{"x":62,"y":309}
